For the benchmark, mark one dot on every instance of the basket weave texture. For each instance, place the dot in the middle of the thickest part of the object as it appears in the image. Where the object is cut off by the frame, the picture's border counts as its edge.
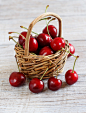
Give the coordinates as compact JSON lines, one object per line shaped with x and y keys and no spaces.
{"x":35,"y":65}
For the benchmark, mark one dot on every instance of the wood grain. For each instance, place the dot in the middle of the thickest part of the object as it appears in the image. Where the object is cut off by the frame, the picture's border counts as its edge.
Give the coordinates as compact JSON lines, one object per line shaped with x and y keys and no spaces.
{"x":71,"y":99}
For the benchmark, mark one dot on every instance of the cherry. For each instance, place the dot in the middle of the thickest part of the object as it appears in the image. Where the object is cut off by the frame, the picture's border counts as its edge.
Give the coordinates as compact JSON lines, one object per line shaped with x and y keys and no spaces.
{"x":57,"y":43}
{"x":33,"y":44}
{"x":46,"y":51}
{"x":52,"y":30}
{"x":36,"y":85}
{"x":72,"y":49}
{"x":17,"y":79}
{"x":71,"y":77}
{"x":21,"y":38}
{"x":44,"y":39}
{"x":54,"y":83}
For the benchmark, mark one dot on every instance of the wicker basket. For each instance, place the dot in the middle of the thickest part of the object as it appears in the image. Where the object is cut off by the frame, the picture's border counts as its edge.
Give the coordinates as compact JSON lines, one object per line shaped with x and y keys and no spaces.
{"x":35,"y":65}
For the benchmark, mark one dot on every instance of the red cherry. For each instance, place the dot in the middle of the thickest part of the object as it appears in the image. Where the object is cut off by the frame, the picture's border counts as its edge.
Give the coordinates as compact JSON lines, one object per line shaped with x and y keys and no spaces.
{"x":71,"y":77}
{"x":52,"y":30}
{"x":33,"y":44}
{"x":44,"y":39}
{"x":54,"y":83}
{"x":21,"y":39}
{"x":57,"y":43}
{"x":46,"y":51}
{"x":72,"y":49}
{"x":36,"y":85}
{"x":17,"y":79}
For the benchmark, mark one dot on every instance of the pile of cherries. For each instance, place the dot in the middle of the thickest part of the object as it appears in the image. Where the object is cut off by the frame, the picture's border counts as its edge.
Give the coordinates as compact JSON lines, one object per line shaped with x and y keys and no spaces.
{"x":45,"y":43}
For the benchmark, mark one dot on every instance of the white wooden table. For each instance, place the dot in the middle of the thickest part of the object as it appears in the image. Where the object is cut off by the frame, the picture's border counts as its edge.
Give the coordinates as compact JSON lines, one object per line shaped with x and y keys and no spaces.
{"x":69,"y":99}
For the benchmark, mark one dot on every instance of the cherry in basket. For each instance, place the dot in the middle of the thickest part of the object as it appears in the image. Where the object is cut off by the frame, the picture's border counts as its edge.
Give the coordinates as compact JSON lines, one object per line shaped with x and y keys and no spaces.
{"x":57,"y":43}
{"x":43,"y":39}
{"x":52,"y":30}
{"x":33,"y":44}
{"x":46,"y":51}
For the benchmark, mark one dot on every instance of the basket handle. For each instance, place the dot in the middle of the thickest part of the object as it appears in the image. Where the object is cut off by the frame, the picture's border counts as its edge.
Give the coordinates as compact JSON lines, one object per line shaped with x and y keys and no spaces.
{"x":34,"y":22}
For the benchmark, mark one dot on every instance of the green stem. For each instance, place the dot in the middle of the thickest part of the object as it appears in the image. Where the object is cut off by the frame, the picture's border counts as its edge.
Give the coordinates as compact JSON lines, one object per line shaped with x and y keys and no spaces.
{"x":51,"y":20}
{"x":19,"y":34}
{"x":45,"y":18}
{"x":35,"y":33}
{"x":74,"y":64}
{"x":46,"y":8}
{"x":44,"y":74}
{"x":27,"y":29}
{"x":69,"y":52}
{"x":57,"y":73}
{"x":15,"y":41}
{"x":17,"y":63}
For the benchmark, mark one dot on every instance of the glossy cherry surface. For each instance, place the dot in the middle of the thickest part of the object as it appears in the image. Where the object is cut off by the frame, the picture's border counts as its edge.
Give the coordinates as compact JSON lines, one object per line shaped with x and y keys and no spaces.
{"x":44,"y":39}
{"x":54,"y":83}
{"x":52,"y":30}
{"x":36,"y":85}
{"x":70,"y":77}
{"x":33,"y":44}
{"x":21,"y":39}
{"x":17,"y":79}
{"x":46,"y":51}
{"x":57,"y":43}
{"x":72,"y":49}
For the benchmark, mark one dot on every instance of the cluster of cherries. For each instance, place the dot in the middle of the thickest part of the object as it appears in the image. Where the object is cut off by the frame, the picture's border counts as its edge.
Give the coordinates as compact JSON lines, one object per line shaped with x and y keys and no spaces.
{"x":46,"y":43}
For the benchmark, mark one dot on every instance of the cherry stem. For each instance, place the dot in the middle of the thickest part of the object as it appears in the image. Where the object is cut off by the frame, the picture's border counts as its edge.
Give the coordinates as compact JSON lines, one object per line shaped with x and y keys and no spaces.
{"x":57,"y":72}
{"x":74,"y":61}
{"x":44,"y":73}
{"x":68,"y":52}
{"x":74,"y":64}
{"x":15,"y":41}
{"x":46,"y":8}
{"x":27,"y":29}
{"x":51,"y":20}
{"x":16,"y":33}
{"x":17,"y":64}
{"x":45,"y":18}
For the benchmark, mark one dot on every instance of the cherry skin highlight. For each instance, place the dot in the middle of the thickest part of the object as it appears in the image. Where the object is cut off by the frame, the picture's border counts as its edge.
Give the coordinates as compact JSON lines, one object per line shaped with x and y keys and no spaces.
{"x":72,"y":49}
{"x":71,"y":77}
{"x":54,"y":83}
{"x":17,"y":79}
{"x":44,"y":39}
{"x":46,"y":51}
{"x":52,"y":30}
{"x":36,"y":85}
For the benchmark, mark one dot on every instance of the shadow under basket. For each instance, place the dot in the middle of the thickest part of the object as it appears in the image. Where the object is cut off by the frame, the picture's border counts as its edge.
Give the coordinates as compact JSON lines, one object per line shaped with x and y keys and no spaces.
{"x":35,"y":65}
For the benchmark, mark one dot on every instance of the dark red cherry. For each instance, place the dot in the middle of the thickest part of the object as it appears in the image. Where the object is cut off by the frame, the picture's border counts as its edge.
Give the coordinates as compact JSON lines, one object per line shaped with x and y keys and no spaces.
{"x":46,"y":51}
{"x":54,"y":83}
{"x":57,"y":43}
{"x":17,"y":79}
{"x":72,"y":49}
{"x":52,"y":31}
{"x":36,"y":85}
{"x":21,"y":38}
{"x":33,"y":44}
{"x":71,"y":77}
{"x":44,"y":39}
